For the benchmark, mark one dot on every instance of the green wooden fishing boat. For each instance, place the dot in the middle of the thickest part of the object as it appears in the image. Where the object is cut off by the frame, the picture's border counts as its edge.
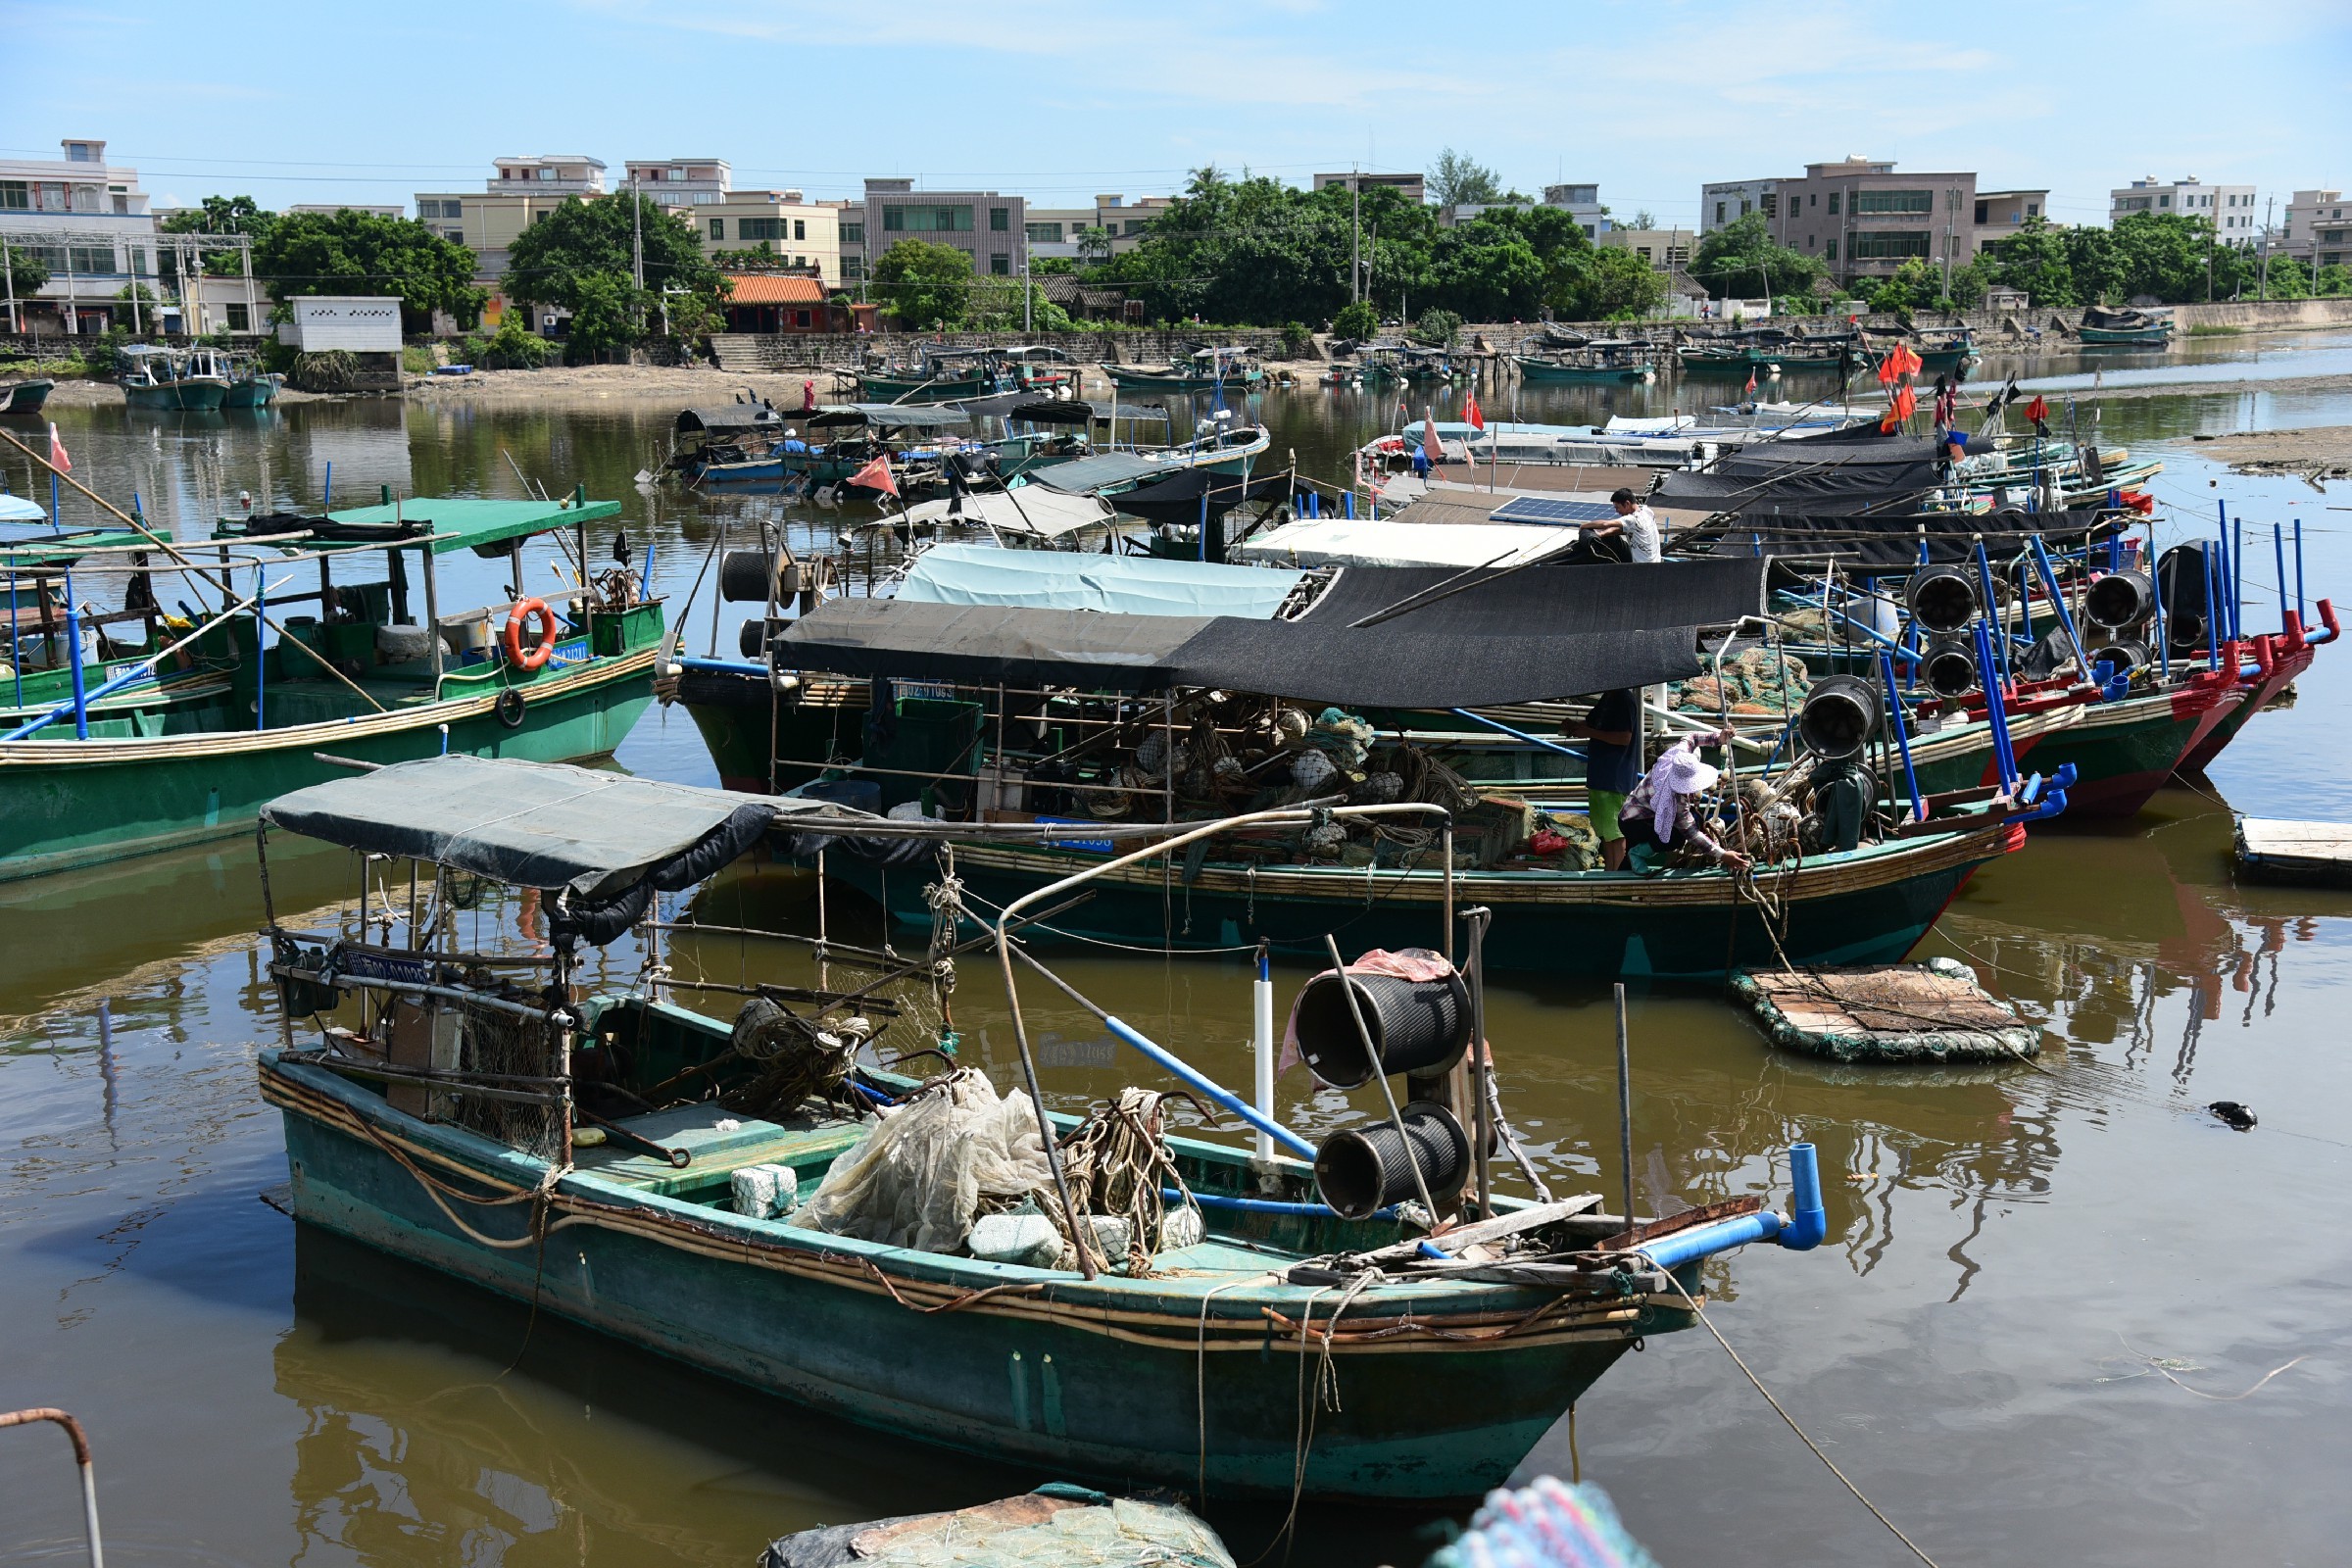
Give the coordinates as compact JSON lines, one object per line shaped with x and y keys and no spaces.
{"x":1541,"y":367}
{"x":2102,"y":327}
{"x":186,"y":747}
{"x":1204,"y":370}
{"x":1186,"y":1375}
{"x":154,"y":377}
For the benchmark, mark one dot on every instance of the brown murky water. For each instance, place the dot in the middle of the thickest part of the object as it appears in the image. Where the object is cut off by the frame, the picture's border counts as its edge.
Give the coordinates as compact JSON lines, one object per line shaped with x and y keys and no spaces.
{"x":2043,"y":1294}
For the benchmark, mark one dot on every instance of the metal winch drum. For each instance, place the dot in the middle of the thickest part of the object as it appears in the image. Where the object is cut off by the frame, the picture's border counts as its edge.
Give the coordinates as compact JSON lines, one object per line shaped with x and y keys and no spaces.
{"x":2120,"y":601}
{"x":1941,"y":598}
{"x":1417,"y":1026}
{"x":2181,"y":582}
{"x":1949,"y":667}
{"x":1840,"y":715}
{"x":746,"y":576}
{"x":752,"y":638}
{"x":1363,"y":1170}
{"x":2122,"y":657}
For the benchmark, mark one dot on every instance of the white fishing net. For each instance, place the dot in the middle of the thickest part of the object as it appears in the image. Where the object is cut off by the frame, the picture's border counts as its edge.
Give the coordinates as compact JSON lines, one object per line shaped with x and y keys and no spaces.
{"x":932,"y":1166}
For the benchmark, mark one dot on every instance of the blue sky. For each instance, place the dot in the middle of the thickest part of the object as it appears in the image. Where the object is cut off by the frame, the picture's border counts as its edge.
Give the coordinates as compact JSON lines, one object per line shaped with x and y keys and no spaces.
{"x":325,"y":102}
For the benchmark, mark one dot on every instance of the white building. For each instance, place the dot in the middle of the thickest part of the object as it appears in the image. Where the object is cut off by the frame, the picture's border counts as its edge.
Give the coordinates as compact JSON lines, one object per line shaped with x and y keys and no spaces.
{"x":88,"y":223}
{"x":2230,"y":208}
{"x":1583,"y":202}
{"x":1725,"y":203}
{"x":366,"y":209}
{"x":356,"y":323}
{"x":1055,"y":231}
{"x":680,"y":181}
{"x":2317,"y":228}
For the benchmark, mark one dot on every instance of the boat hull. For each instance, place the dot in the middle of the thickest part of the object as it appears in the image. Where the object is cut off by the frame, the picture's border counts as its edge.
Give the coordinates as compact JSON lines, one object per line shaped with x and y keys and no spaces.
{"x":184,"y":397}
{"x":1124,"y":1386}
{"x":2259,"y":696}
{"x":251,"y":392}
{"x":1870,"y":908}
{"x":65,"y":803}
{"x":1588,"y":375}
{"x":2151,"y":337}
{"x":24,"y":397}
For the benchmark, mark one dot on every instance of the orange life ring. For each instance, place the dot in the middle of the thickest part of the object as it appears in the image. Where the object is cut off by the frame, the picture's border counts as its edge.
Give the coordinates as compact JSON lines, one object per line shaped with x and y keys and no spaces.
{"x":538,"y":652}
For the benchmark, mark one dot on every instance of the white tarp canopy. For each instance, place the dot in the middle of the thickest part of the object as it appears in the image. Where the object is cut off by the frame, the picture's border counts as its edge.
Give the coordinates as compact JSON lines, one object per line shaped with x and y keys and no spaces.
{"x":1034,"y":511}
{"x":1364,"y":543}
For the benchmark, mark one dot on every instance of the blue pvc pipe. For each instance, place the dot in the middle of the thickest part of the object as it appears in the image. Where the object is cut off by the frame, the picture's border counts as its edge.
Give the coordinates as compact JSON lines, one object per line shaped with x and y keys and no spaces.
{"x":1169,"y":1062}
{"x":1808,"y":1220}
{"x":2237,"y":578}
{"x":1263,"y":1206}
{"x":1996,"y":717}
{"x":1347,"y":509}
{"x":1799,"y":1231}
{"x":1984,"y":579}
{"x":15,"y":654}
{"x":1902,"y":735}
{"x":82,"y":697}
{"x":2049,"y":580}
{"x":2298,"y":568}
{"x":328,"y":504}
{"x":1515,"y":734}
{"x":2279,"y":548}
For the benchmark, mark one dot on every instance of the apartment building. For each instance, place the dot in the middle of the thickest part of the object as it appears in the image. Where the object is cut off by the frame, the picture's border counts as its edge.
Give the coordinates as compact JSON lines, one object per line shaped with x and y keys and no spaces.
{"x":1864,"y":219}
{"x":87,"y":221}
{"x":522,"y":191}
{"x":2000,"y":214}
{"x":2230,"y":208}
{"x":1664,"y":249}
{"x":989,"y":228}
{"x":1583,"y":202}
{"x":1725,"y":202}
{"x":799,"y":232}
{"x":679,"y":182}
{"x":1055,"y":231}
{"x":2317,"y":228}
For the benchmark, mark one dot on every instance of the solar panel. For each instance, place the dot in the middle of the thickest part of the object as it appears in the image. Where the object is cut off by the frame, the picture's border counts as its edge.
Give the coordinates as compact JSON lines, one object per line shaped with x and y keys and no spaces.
{"x":1542,"y":509}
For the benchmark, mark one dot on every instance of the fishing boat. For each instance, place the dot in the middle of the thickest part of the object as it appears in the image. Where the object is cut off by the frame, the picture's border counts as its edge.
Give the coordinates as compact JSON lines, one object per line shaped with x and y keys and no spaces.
{"x":943,"y":374}
{"x":24,"y":396}
{"x":2102,"y":326}
{"x":1764,"y":351}
{"x":249,"y":385}
{"x":824,"y":446}
{"x":154,"y":377}
{"x":1068,"y":693}
{"x":1941,"y":350}
{"x":1600,"y":360}
{"x":726,"y":1195}
{"x":1205,"y":369}
{"x":132,"y":730}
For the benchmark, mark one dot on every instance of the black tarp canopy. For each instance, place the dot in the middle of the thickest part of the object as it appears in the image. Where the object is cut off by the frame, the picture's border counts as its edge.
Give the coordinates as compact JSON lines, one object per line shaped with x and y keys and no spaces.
{"x":1892,"y":543}
{"x":1813,"y":478}
{"x":1178,"y":497}
{"x":728,"y":419}
{"x":593,"y":834}
{"x":1526,"y":636}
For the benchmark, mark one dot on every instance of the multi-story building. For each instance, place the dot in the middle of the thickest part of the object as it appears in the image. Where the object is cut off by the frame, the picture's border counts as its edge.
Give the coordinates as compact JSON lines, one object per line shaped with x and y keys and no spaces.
{"x":1664,"y":249}
{"x":679,"y":182}
{"x":990,"y":228}
{"x":1724,"y":204}
{"x":1410,"y":186}
{"x":1864,"y":220}
{"x":2230,"y":208}
{"x":2000,"y":214}
{"x":369,"y":209}
{"x":87,"y":221}
{"x":523,"y":191}
{"x":1583,"y":202}
{"x":1057,"y":230}
{"x":2317,"y":228}
{"x":799,"y":232}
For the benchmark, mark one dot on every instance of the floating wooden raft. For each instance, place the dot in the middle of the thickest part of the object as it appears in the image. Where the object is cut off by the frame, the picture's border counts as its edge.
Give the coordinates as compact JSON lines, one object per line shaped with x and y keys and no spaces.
{"x":2272,"y":849}
{"x":1931,"y":1011}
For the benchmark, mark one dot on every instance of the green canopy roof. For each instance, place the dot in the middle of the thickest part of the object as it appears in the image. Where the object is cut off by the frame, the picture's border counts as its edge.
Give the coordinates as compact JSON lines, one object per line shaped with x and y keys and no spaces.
{"x":22,"y":550}
{"x":457,"y":522}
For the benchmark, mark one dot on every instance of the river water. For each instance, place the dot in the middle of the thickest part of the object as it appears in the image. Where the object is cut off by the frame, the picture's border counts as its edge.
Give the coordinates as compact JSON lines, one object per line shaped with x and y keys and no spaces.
{"x":2030,"y":1337}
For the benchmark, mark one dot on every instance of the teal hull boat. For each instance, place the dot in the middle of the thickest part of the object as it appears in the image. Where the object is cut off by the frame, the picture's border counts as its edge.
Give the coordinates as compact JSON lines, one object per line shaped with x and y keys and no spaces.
{"x":253,"y":391}
{"x":1188,"y":1380}
{"x":1870,"y":906}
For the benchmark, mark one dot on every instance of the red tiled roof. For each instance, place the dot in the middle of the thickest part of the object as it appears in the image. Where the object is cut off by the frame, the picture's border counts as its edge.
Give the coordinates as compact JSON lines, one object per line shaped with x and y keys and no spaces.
{"x":765,"y":288}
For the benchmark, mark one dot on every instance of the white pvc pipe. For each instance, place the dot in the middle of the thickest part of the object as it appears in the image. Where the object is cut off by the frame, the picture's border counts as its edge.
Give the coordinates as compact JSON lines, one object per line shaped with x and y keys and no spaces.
{"x":1262,"y":1043}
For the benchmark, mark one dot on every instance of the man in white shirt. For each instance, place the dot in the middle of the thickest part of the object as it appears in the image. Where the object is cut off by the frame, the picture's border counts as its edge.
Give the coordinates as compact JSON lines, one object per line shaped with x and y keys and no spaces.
{"x":1635,"y":523}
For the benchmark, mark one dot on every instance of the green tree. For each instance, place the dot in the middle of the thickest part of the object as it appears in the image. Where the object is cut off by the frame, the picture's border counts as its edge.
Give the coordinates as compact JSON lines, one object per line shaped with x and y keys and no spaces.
{"x":1643,"y":219}
{"x":1742,"y":258}
{"x":1437,"y":327}
{"x":2037,"y":258}
{"x":218,"y":215}
{"x":2333,"y":282}
{"x":1093,"y":244}
{"x":923,"y":286}
{"x":25,"y":274}
{"x":1355,"y":321}
{"x":1915,"y":285}
{"x":1613,"y":284}
{"x":1457,"y":178}
{"x":581,"y":259}
{"x":361,"y":252}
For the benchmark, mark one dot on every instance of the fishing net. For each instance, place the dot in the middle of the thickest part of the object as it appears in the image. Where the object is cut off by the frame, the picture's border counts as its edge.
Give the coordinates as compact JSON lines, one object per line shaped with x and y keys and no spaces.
{"x":493,"y":1040}
{"x":1047,"y":1529}
{"x":932,"y":1166}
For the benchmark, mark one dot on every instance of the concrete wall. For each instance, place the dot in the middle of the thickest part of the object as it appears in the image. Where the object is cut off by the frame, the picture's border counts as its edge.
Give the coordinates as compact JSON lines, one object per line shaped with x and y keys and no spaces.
{"x":812,"y":350}
{"x":2267,"y":315}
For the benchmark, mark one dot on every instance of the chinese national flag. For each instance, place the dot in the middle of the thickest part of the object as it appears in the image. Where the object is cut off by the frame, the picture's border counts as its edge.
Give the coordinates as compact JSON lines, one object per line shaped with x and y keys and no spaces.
{"x":1478,"y":420}
{"x":875,"y":475}
{"x":57,"y":451}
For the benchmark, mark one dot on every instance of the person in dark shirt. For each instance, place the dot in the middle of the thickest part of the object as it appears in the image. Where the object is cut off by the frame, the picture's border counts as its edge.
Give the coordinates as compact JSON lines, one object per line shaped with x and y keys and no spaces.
{"x":1612,"y":766}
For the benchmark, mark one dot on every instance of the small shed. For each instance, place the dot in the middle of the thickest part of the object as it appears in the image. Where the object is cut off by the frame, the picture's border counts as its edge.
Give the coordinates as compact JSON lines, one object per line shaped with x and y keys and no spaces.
{"x":352,"y":322}
{"x":2001,"y":297}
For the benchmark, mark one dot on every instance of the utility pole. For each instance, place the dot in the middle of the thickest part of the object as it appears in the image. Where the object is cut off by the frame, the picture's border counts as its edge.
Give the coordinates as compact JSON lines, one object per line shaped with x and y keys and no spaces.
{"x":1025,"y":306}
{"x":1356,"y":223}
{"x":2269,"y":205}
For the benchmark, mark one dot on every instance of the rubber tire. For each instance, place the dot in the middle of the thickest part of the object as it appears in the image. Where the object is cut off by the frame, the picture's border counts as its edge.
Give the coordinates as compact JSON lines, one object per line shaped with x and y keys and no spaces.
{"x":511,"y":707}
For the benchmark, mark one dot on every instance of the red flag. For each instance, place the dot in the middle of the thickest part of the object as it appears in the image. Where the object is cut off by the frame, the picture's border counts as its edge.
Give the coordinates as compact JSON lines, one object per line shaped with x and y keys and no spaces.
{"x":1886,"y":371}
{"x":1906,"y":403}
{"x":875,"y":475}
{"x":1907,"y":360}
{"x":1750,"y":390}
{"x":2037,"y":411}
{"x":57,"y":451}
{"x":1478,"y":420}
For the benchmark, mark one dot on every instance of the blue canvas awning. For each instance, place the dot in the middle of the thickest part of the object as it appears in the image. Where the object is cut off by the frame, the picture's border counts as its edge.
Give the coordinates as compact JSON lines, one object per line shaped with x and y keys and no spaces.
{"x":1127,"y":585}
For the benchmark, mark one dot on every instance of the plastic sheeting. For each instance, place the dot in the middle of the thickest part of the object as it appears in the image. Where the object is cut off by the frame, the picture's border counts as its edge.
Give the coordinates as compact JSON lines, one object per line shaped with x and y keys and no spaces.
{"x":1127,"y":585}
{"x":1364,"y":543}
{"x":1034,"y":510}
{"x":919,"y":1178}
